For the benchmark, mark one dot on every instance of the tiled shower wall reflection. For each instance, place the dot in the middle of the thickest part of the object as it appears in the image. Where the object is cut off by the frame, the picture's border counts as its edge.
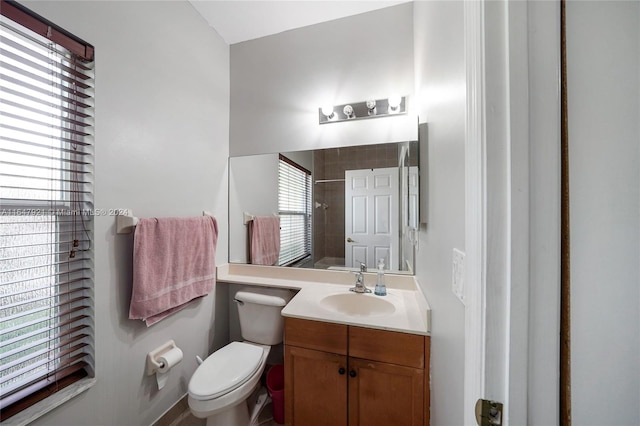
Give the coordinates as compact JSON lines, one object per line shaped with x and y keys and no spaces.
{"x":328,"y":218}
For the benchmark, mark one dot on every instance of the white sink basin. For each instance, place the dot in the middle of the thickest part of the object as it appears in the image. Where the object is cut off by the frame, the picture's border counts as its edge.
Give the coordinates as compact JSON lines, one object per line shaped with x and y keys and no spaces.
{"x":354,"y":304}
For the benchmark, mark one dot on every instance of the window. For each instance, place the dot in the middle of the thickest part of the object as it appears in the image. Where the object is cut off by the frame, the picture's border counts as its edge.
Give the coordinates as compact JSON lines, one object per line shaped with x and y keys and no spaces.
{"x":46,"y":205}
{"x":294,"y":205}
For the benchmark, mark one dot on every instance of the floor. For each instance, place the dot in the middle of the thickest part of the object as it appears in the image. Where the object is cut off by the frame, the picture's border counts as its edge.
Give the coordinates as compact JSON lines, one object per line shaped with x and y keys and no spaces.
{"x":180,"y":414}
{"x":187,"y":419}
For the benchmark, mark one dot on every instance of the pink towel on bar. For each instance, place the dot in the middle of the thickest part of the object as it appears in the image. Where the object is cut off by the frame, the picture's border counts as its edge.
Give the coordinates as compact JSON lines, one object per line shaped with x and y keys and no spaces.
{"x":265,"y":240}
{"x":173,"y":263}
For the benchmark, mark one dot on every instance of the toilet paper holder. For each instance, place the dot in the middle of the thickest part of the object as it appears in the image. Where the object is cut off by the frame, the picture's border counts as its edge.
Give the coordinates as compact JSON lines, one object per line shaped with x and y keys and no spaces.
{"x":153,"y":357}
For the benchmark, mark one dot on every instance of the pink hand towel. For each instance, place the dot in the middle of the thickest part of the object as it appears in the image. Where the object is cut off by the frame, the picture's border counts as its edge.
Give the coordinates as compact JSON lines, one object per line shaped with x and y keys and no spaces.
{"x":173,"y":263}
{"x":265,"y":240}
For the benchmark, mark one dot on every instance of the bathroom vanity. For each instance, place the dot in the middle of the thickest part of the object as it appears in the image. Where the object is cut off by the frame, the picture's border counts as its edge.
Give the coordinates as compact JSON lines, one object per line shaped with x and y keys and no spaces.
{"x":341,"y":374}
{"x":350,"y":359}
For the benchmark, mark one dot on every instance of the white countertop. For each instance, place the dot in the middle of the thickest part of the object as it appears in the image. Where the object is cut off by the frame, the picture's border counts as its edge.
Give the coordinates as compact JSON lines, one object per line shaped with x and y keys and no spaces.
{"x":412,"y":313}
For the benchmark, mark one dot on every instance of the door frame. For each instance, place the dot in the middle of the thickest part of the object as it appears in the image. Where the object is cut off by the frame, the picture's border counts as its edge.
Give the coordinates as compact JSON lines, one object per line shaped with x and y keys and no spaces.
{"x":475,"y":210}
{"x":512,"y":213}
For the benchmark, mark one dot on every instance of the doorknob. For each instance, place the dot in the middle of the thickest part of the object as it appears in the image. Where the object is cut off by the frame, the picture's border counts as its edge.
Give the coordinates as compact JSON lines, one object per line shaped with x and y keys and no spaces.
{"x":350,"y":240}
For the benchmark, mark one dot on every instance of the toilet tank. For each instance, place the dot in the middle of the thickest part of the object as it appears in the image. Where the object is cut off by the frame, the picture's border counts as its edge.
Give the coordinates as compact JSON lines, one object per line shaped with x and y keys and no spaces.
{"x":259,"y":312}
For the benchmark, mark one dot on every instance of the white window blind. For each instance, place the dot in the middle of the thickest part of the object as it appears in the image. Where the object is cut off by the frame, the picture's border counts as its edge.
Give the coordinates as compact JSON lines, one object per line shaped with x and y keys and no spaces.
{"x":294,"y":205}
{"x":46,"y":205}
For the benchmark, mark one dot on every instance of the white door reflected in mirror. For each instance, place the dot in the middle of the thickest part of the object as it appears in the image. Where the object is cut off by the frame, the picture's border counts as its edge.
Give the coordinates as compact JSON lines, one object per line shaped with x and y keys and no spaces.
{"x":371,"y":217}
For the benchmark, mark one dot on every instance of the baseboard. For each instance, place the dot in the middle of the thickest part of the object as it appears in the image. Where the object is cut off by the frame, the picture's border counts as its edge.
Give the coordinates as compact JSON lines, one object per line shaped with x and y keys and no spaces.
{"x":175,"y":414}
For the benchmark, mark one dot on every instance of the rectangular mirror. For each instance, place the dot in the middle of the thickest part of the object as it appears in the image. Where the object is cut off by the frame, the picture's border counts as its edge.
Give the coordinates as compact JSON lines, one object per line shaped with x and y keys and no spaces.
{"x":338,"y":207}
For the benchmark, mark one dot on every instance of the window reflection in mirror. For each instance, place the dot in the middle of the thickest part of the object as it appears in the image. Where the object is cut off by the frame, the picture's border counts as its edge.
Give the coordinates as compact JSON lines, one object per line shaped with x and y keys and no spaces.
{"x":364,"y":205}
{"x":295,"y":191}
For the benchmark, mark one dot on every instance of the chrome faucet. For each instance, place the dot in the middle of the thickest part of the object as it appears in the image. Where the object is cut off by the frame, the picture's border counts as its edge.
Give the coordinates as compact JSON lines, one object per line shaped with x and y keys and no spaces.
{"x":360,"y":287}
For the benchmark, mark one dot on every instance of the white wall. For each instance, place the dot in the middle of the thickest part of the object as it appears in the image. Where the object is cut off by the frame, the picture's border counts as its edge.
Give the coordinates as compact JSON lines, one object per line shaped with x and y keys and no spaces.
{"x":247,"y":194}
{"x":440,"y":85}
{"x":538,"y":402}
{"x":603,"y":85}
{"x":278,"y":82}
{"x":162,"y":96}
{"x":302,"y":158}
{"x":253,"y":188}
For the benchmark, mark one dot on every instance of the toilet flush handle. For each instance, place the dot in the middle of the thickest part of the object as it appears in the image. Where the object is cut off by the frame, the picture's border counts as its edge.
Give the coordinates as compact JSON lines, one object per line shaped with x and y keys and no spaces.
{"x":200,"y":361}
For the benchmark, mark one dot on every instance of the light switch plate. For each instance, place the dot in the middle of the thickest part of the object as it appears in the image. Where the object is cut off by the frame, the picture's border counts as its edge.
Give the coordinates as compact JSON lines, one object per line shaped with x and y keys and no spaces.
{"x":457,"y":280}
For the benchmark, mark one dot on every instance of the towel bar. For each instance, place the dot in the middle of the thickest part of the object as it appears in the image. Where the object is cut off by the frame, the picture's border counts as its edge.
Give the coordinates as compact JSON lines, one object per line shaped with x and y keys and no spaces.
{"x":249,"y":217}
{"x":125,"y":223}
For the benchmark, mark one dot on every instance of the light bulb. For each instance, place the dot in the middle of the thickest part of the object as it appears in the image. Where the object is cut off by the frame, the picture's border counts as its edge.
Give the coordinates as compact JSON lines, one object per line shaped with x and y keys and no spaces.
{"x":327,"y":111}
{"x":348,"y":111}
{"x":371,"y":106}
{"x":394,"y":102}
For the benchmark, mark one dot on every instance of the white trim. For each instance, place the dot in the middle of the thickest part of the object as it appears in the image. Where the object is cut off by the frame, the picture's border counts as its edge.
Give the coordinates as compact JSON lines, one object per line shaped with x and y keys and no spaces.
{"x":475,"y":209}
{"x":517,"y":297}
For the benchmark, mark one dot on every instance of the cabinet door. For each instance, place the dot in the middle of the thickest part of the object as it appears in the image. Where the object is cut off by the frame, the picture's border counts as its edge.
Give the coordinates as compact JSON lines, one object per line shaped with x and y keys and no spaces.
{"x":315,"y":387}
{"x":385,"y":394}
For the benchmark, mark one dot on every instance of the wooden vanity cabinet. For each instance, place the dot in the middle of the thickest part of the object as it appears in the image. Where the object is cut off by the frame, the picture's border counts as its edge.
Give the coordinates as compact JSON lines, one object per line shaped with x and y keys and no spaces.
{"x":315,"y":372}
{"x":345,"y":375}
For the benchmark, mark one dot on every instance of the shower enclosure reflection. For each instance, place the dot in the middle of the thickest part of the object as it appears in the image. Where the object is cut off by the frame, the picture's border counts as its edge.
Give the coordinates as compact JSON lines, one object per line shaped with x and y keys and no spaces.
{"x":362,"y":205}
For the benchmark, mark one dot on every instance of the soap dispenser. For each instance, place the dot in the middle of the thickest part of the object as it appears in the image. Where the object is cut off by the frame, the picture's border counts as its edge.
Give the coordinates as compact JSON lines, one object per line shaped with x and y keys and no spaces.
{"x":381,"y":288}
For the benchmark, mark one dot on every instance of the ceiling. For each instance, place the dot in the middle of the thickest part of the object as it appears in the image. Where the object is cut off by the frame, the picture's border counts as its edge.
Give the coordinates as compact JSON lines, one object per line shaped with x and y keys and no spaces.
{"x":240,"y":20}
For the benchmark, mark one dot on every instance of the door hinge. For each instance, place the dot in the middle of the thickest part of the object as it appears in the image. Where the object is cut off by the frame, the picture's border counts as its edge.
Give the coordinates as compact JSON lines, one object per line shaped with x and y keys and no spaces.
{"x":488,"y":413}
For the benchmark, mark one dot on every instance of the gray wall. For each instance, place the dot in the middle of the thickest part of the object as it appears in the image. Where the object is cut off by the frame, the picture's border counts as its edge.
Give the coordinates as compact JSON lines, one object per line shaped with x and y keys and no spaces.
{"x":603,"y":73}
{"x":278,"y":82}
{"x":253,"y":188}
{"x":537,"y":359}
{"x":440,"y":87}
{"x":161,"y":150}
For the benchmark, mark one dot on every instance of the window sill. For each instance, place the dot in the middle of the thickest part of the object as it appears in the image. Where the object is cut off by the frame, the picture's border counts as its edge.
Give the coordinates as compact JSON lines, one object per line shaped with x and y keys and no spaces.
{"x":46,"y":405}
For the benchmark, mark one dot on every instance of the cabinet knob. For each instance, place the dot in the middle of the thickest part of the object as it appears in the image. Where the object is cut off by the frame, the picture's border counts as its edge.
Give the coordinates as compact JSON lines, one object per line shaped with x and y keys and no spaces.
{"x":341,"y":371}
{"x":352,"y":373}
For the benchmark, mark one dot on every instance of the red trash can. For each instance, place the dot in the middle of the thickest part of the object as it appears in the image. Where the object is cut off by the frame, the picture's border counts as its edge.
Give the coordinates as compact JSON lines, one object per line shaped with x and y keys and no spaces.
{"x":275,"y":385}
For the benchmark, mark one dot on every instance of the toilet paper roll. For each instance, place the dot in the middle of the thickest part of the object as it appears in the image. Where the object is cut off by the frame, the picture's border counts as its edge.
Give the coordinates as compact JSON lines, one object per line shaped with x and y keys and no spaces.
{"x":167,"y":361}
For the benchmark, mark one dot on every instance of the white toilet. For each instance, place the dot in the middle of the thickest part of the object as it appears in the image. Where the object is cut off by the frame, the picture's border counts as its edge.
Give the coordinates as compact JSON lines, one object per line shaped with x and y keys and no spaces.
{"x":221,"y":385}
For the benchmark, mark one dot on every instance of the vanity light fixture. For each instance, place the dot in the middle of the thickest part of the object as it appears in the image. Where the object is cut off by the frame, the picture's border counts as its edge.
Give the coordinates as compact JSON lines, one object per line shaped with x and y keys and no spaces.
{"x":372,"y":108}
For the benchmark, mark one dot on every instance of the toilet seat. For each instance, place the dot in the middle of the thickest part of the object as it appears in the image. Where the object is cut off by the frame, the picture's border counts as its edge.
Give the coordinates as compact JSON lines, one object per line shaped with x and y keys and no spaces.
{"x":224,"y":370}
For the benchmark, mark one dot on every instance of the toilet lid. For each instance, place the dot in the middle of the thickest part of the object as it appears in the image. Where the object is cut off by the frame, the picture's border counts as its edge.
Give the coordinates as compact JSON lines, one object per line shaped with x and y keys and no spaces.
{"x":224,"y":370}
